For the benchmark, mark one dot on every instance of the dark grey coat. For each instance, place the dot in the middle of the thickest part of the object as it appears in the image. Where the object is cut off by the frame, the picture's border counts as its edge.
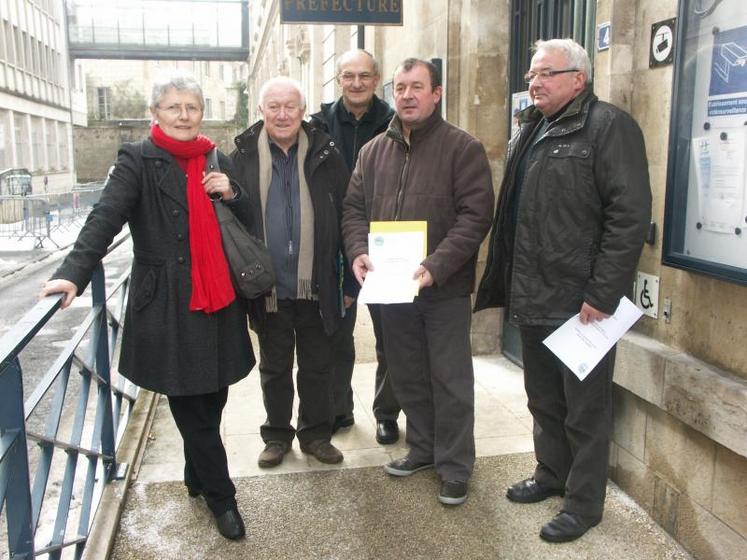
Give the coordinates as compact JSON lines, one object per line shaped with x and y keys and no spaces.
{"x":165,"y":347}
{"x":582,"y":215}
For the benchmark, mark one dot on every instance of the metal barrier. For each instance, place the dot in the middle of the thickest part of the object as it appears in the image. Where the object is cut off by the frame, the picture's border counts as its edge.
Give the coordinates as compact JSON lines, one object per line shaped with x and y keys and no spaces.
{"x":39,"y":216}
{"x":90,"y":441}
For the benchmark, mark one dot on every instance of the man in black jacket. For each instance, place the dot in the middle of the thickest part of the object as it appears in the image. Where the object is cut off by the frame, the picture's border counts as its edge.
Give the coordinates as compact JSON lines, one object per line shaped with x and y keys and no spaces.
{"x":296,"y":180}
{"x":573,"y":211}
{"x":354,"y":119}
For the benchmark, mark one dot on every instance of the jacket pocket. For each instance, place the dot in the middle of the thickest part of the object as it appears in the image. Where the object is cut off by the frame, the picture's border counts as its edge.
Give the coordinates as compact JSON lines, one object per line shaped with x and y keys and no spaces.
{"x":145,"y":290}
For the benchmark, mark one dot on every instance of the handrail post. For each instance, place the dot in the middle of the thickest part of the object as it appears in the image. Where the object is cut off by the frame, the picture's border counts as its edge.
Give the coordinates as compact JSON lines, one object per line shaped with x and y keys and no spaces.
{"x":18,"y":492}
{"x":101,"y":340}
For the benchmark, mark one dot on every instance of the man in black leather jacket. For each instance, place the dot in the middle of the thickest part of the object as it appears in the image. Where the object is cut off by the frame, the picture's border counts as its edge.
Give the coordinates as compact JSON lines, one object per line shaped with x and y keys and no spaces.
{"x":572,"y":215}
{"x":354,"y":119}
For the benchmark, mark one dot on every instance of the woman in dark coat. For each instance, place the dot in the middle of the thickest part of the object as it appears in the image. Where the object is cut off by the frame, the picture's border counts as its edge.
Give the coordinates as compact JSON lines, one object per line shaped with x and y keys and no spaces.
{"x":185,"y":332}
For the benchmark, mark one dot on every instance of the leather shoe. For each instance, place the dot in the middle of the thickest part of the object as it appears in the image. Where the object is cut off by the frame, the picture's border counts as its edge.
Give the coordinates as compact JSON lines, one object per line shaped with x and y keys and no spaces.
{"x":530,"y":491}
{"x":273,"y":454}
{"x":194,"y":492}
{"x":323,"y":450}
{"x":230,"y":524}
{"x":453,"y":492}
{"x":567,"y":526}
{"x":387,"y":432}
{"x":405,"y":466}
{"x":344,"y":421}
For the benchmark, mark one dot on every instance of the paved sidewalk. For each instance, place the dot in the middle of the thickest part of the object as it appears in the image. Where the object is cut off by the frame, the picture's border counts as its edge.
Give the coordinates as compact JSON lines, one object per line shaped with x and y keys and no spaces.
{"x":304,"y":509}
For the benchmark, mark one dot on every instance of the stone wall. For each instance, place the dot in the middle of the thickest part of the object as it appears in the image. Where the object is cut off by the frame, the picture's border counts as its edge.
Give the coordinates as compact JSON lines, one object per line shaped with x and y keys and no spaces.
{"x":96,"y":146}
{"x":679,"y":445}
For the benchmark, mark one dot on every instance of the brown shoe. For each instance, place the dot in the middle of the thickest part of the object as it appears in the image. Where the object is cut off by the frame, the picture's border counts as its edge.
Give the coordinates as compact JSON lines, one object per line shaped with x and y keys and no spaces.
{"x":273,"y":454}
{"x":323,"y":450}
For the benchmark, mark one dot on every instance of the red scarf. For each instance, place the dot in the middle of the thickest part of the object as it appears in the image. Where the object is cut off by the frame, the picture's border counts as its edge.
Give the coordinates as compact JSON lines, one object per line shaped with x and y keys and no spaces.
{"x":211,"y":282}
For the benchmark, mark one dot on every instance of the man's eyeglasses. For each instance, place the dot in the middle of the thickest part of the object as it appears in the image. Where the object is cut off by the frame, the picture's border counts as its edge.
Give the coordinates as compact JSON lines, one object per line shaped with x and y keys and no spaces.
{"x":176,"y":110}
{"x":543,"y":75}
{"x":349,"y":77}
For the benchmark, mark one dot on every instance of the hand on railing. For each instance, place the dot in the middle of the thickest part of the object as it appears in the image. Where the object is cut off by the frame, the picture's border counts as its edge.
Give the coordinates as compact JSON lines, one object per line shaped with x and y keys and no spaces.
{"x":60,"y":286}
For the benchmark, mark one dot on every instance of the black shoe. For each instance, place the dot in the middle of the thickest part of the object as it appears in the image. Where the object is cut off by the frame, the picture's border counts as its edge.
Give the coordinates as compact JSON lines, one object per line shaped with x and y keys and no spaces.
{"x":453,"y":492}
{"x":530,"y":491}
{"x":323,"y":450}
{"x":405,"y":467}
{"x":273,"y":454}
{"x":567,"y":526}
{"x":230,"y":524}
{"x":387,"y":431}
{"x":344,"y":421}
{"x":194,"y":492}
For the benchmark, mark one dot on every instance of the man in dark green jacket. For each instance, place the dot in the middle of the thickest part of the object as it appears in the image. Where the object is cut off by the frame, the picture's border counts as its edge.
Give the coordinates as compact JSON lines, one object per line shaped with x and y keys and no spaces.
{"x":573,"y":212}
{"x":354,"y":119}
{"x":295,"y":180}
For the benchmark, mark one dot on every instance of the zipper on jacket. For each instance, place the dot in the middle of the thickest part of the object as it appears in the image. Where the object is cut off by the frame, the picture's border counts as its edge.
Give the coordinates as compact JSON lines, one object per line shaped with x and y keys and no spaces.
{"x":402,"y":183}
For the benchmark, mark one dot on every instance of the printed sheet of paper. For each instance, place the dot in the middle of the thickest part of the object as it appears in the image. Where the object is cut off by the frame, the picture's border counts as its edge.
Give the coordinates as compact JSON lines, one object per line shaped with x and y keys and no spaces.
{"x":581,"y":347}
{"x":396,"y":250}
{"x":720,"y":169}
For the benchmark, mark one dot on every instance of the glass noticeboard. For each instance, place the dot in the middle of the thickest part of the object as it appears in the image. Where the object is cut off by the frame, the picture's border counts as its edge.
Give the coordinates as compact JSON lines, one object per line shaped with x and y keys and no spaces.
{"x":706,"y":208}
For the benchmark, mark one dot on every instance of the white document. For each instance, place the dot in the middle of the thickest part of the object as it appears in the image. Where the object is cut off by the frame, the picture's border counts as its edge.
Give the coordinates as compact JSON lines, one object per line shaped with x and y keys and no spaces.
{"x":581,"y":347}
{"x":395,"y":256}
{"x":720,"y":172}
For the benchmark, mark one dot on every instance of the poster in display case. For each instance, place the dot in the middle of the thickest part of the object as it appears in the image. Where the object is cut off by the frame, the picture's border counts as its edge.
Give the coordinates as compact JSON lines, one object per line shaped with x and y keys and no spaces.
{"x":705,"y":226}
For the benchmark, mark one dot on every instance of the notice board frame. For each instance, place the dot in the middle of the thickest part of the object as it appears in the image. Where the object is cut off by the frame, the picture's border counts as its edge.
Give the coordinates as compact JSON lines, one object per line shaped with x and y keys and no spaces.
{"x":721,"y":255}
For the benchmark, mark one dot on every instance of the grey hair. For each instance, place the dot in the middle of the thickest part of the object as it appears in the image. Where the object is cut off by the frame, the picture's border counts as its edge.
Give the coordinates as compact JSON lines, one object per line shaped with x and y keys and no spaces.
{"x":178,"y":80}
{"x":351,"y":52}
{"x":575,"y":54}
{"x":281,"y":81}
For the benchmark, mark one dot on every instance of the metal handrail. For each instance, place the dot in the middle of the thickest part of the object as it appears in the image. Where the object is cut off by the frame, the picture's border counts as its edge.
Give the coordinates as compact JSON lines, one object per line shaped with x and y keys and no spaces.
{"x":92,"y":442}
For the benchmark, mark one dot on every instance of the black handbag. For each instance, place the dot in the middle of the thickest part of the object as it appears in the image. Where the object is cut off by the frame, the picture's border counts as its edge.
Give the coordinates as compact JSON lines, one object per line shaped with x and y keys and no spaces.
{"x":248,"y":258}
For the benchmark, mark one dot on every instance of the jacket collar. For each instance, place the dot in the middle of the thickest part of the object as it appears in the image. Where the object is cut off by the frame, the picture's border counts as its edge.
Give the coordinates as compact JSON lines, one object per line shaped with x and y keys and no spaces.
{"x":380,"y":113}
{"x":319,"y":142}
{"x":395,"y":127}
{"x":572,"y":119}
{"x":173,"y":182}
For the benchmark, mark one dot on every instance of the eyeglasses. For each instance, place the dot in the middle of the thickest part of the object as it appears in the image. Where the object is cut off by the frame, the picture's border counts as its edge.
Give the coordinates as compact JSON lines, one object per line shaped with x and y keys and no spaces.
{"x":276,"y":108}
{"x":546,"y":74}
{"x":349,"y":77}
{"x":176,"y":110}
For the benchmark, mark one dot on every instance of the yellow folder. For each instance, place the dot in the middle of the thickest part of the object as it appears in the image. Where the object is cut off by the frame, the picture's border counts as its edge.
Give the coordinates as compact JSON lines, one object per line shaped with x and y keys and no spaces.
{"x":403,"y":227}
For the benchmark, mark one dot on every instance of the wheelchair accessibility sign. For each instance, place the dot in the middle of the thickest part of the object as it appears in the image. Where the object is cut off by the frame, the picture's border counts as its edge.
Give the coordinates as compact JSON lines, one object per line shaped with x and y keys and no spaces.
{"x":647,"y":294}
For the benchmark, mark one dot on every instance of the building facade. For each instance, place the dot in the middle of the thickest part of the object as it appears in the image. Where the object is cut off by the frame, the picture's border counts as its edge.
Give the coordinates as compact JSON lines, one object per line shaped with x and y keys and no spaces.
{"x":681,"y":376}
{"x":41,"y":94}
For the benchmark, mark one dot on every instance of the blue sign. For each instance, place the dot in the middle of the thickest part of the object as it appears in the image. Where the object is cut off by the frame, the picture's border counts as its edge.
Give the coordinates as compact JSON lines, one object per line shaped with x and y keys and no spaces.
{"x":729,"y":62}
{"x":354,"y":12}
{"x":604,"y":33}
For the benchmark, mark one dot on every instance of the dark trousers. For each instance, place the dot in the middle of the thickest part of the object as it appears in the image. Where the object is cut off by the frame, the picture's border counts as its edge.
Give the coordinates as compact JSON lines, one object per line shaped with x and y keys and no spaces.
{"x":430,"y":364}
{"x":572,"y":423}
{"x":343,"y":349}
{"x":205,"y":463}
{"x":385,"y":405}
{"x":296,"y":325}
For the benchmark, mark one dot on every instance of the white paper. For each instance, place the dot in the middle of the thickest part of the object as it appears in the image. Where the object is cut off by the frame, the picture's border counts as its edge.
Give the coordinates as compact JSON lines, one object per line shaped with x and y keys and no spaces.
{"x":719,"y":165}
{"x":581,"y":347}
{"x":395,"y":257}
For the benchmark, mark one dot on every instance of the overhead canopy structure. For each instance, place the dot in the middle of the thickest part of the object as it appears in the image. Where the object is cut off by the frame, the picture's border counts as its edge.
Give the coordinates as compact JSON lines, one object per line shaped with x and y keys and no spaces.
{"x":158,"y":29}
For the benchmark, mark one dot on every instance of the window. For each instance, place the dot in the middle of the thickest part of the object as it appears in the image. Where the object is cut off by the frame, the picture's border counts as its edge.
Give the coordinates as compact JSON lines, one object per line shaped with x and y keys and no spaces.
{"x":208,"y":108}
{"x":52,"y":161}
{"x":3,"y":151}
{"x":22,"y":142}
{"x":223,"y":110}
{"x":103,"y":103}
{"x":705,"y":217}
{"x":37,"y":144}
{"x":63,"y":143}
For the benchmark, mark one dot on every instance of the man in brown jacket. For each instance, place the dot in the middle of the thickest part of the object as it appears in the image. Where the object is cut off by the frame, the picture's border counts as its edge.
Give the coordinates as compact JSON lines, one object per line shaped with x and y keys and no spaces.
{"x":424,"y":168}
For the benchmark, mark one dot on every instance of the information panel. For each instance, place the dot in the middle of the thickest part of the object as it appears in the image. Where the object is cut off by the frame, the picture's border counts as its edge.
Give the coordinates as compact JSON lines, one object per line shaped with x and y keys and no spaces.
{"x":706,"y":213}
{"x":354,"y":12}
